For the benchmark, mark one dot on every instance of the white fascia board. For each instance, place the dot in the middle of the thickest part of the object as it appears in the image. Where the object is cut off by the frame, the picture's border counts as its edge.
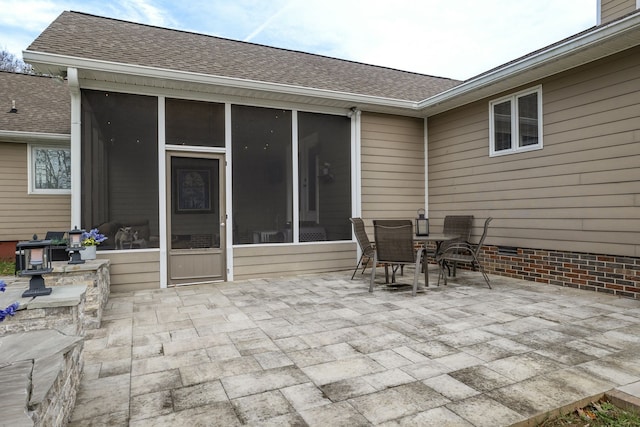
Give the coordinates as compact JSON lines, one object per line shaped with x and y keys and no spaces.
{"x":31,"y":137}
{"x":64,"y":61}
{"x":547,"y":56}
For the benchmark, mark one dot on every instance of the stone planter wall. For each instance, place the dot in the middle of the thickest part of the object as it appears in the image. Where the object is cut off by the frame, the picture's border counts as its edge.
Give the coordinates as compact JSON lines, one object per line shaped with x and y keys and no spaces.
{"x":94,"y":274}
{"x":42,"y":343}
{"x":40,"y":374}
{"x":56,"y":407}
{"x":63,"y":310}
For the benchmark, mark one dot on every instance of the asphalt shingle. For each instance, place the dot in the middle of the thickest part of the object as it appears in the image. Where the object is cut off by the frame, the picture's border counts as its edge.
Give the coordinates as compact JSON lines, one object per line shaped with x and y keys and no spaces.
{"x":43,"y":104}
{"x":81,"y":35}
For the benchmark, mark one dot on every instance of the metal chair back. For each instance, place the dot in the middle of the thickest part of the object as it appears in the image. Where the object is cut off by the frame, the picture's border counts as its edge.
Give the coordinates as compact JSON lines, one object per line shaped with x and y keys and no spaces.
{"x":394,"y":241}
{"x":361,"y":236}
{"x":478,"y":247}
{"x":464,"y":252}
{"x":366,"y":247}
{"x":459,"y":225}
{"x":394,"y":246}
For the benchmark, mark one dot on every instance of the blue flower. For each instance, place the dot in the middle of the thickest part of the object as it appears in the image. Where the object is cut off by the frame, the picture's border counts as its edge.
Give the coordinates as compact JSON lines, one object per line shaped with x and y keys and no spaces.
{"x":92,"y":237}
{"x":3,"y":286}
{"x":9,"y":311}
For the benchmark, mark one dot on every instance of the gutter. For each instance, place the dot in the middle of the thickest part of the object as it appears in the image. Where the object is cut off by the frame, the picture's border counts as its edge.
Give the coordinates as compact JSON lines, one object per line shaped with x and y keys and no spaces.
{"x":30,"y":137}
{"x":64,"y":61}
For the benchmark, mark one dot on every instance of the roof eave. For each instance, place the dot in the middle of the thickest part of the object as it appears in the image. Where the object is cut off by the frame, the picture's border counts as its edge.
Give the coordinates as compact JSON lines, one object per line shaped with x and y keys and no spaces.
{"x":57,"y":65}
{"x":34,"y":137}
{"x":591,"y":46}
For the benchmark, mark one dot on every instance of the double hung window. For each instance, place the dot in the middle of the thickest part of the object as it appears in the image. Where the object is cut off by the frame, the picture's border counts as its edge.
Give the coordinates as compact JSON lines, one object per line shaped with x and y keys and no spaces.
{"x":515,"y":122}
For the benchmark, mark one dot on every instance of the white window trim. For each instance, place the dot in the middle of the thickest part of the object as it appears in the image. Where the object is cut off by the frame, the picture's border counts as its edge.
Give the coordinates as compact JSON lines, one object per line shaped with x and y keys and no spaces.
{"x":515,"y":148}
{"x":31,"y":169}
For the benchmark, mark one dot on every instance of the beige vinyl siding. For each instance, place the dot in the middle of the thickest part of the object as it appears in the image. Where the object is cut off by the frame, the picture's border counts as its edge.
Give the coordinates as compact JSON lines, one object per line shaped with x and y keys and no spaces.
{"x":614,"y":9}
{"x":392,"y":166}
{"x":579,"y":193}
{"x":22,"y":214}
{"x":133,"y":270}
{"x":252,"y":261}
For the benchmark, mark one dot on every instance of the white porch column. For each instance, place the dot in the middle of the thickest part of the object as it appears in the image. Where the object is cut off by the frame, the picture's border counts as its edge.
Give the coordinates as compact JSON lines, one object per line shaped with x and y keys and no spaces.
{"x":76,"y":139}
{"x":356,"y":163}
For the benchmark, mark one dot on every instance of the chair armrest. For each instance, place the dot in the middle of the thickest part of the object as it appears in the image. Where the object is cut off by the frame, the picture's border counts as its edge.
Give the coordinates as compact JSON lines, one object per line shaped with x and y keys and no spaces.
{"x":455,"y":248}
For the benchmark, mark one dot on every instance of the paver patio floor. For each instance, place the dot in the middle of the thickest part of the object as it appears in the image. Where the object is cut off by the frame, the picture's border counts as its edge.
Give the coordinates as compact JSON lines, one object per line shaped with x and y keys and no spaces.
{"x":320,"y":350}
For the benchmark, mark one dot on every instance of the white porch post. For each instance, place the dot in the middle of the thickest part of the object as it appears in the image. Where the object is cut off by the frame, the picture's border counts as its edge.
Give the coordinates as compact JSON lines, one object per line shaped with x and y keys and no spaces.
{"x":356,"y":164}
{"x":162,"y":191}
{"x":76,"y":139}
{"x":228,"y":190}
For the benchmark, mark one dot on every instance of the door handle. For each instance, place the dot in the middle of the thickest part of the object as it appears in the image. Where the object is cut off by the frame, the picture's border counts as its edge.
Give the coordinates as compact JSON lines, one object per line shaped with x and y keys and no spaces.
{"x":222,"y":224}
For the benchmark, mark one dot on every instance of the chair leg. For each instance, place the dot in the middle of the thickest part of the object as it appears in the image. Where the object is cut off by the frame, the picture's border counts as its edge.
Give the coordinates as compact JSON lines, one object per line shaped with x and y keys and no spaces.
{"x":394,"y":269}
{"x":446,"y":265}
{"x":364,"y":267}
{"x":441,"y":273}
{"x":357,"y":266}
{"x":484,"y":273}
{"x":417,"y":272}
{"x":373,"y":272}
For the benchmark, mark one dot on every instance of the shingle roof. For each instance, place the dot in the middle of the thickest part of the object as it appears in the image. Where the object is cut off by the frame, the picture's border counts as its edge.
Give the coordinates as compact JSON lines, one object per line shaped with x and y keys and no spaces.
{"x":43,"y":104}
{"x":87,"y":36}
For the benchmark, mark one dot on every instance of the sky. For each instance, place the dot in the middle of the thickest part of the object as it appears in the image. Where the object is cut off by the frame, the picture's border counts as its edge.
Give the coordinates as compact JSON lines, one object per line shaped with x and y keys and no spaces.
{"x":446,"y":38}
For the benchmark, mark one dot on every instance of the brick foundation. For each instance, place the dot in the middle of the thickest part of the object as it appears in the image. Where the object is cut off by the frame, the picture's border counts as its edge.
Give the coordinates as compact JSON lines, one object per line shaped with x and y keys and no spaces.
{"x":617,"y":275}
{"x":8,"y":251}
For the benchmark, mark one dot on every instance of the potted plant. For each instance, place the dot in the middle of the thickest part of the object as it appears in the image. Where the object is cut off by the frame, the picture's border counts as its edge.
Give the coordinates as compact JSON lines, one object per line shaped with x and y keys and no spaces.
{"x":90,"y":240}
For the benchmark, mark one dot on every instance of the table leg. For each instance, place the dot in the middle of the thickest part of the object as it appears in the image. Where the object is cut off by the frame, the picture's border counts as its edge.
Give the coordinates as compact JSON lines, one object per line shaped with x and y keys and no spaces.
{"x":426,"y":271}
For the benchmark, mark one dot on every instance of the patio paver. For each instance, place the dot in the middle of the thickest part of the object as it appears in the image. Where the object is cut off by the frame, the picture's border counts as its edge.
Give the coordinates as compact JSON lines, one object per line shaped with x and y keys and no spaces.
{"x":320,"y":350}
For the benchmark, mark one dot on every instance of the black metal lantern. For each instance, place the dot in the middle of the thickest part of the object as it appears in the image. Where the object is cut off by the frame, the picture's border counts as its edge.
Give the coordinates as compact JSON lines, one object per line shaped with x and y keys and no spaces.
{"x":422,"y":224}
{"x":35,"y":260}
{"x":75,"y":246}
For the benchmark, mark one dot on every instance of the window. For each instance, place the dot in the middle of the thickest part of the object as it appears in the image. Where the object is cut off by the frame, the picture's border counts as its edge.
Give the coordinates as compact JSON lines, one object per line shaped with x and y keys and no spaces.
{"x":50,"y":169}
{"x":515,"y":123}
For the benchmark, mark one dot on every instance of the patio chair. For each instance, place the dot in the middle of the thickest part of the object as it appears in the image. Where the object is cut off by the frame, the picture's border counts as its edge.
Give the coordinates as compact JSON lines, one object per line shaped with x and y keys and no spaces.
{"x":58,"y":245}
{"x":365,"y":245}
{"x":394,"y":246}
{"x":456,"y":225}
{"x":463,"y":252}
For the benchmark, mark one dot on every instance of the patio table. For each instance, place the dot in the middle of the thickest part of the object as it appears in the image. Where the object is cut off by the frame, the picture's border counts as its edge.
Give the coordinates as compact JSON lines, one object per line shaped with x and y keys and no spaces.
{"x":439,"y":239}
